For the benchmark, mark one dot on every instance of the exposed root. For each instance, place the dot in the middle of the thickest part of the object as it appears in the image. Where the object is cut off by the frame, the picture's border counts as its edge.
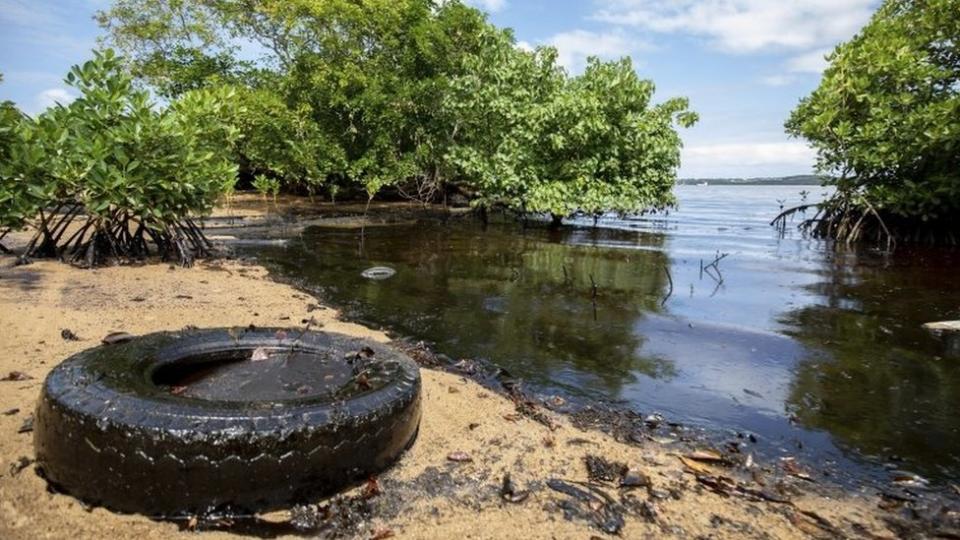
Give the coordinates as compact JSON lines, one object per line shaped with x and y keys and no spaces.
{"x":848,"y":221}
{"x":117,"y":236}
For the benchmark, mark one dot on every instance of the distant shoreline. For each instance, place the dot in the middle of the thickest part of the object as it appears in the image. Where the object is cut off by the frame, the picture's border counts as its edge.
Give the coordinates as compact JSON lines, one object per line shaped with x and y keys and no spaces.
{"x":798,"y":180}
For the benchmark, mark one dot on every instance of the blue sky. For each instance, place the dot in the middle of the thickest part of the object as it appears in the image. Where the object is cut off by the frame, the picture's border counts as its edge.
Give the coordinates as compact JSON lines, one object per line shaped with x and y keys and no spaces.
{"x":744,"y":64}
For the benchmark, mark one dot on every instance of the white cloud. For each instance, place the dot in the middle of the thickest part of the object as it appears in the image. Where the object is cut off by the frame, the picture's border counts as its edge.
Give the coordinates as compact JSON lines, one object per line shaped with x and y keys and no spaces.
{"x":52,"y":96}
{"x":575,"y":46}
{"x":811,"y":62}
{"x":777,"y":80}
{"x":525,"y":46}
{"x":743,"y":26}
{"x":794,"y":153}
{"x":492,"y":6}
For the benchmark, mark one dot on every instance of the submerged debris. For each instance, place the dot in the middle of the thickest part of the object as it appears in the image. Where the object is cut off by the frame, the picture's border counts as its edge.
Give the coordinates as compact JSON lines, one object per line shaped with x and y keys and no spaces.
{"x":68,"y":335}
{"x":378,"y":273}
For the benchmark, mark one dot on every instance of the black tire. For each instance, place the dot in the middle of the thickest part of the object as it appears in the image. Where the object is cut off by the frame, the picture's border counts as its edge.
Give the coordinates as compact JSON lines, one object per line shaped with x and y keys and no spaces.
{"x":106,"y":433}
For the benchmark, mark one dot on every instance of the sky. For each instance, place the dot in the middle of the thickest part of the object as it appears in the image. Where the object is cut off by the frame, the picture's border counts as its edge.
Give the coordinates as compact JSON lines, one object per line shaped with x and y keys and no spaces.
{"x":744,"y":64}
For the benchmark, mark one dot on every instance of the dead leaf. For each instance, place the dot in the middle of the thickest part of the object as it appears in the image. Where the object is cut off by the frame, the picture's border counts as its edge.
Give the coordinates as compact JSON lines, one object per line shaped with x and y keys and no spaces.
{"x":372,"y":488}
{"x":511,"y":417}
{"x":278,"y":517}
{"x":380,"y":534}
{"x":178,"y":390}
{"x":708,"y":456}
{"x":459,"y":457}
{"x":17,"y":376}
{"x":695,"y":467}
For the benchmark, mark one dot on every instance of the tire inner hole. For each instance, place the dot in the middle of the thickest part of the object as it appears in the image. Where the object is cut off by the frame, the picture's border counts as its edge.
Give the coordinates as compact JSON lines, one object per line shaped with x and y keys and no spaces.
{"x":268,"y":374}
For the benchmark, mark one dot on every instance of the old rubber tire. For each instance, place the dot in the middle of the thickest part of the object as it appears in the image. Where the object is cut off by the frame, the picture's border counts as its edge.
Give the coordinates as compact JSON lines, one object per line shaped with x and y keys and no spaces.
{"x":106,"y":433}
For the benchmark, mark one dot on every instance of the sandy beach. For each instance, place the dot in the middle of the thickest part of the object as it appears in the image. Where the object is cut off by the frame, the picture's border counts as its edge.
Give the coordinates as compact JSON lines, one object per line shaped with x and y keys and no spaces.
{"x":427,"y":495}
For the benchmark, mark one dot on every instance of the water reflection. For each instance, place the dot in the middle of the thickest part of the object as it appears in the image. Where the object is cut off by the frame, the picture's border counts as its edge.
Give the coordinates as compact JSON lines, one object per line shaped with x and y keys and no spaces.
{"x":878,"y":382}
{"x":801,"y":347}
{"x":521,"y":298}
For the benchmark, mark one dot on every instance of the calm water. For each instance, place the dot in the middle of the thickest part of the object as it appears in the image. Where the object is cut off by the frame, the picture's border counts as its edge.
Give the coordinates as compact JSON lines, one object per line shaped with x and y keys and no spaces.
{"x":816,"y":353}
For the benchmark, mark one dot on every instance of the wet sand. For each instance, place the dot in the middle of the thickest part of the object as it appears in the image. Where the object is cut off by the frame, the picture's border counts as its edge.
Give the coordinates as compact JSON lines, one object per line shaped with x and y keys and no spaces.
{"x":426,"y":495}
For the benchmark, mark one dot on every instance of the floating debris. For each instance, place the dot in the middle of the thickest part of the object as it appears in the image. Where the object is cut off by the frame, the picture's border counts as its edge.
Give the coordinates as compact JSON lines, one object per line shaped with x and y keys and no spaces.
{"x":378,"y":273}
{"x":11,"y":412}
{"x":259,"y":354}
{"x":653,"y":421}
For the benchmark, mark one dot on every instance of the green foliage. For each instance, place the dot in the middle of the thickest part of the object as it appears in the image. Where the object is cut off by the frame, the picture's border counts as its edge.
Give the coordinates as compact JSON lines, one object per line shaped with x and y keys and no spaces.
{"x":282,"y":142}
{"x":546,"y":143}
{"x":17,"y":203}
{"x":418,"y":94}
{"x":266,"y":185}
{"x":886,"y":117}
{"x":124,"y":165}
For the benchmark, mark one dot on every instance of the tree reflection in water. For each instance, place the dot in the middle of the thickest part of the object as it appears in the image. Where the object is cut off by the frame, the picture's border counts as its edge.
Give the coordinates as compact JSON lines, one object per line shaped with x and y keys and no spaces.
{"x":878,"y":382}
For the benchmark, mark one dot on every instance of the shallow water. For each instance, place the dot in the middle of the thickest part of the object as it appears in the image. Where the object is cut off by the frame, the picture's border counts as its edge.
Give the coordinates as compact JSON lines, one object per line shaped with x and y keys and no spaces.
{"x":813,"y":352}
